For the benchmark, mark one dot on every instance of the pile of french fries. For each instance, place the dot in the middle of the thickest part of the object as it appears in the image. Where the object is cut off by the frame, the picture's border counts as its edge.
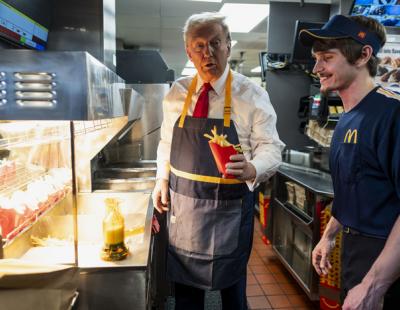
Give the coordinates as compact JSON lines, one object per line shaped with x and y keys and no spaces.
{"x":221,"y":140}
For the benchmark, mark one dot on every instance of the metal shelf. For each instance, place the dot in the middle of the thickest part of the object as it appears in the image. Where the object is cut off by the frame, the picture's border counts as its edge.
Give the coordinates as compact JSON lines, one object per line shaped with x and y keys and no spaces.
{"x":333,"y":117}
{"x":282,"y":254}
{"x":84,"y":127}
{"x":300,"y":216}
{"x":31,"y":134}
{"x":18,"y":231}
{"x":23,"y":176}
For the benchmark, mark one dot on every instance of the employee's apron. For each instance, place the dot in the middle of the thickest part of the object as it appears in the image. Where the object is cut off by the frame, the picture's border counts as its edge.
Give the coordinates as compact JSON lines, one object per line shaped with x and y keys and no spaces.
{"x":211,"y":218}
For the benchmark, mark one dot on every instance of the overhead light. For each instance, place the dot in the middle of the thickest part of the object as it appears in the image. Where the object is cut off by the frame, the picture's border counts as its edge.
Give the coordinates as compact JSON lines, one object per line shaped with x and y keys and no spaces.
{"x":189,"y":71}
{"x":233,"y":42}
{"x":256,"y":69}
{"x":244,"y":17}
{"x":189,"y":64}
{"x":207,"y":0}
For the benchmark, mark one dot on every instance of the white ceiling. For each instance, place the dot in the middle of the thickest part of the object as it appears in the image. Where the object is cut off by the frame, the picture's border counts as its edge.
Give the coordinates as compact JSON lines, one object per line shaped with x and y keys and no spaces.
{"x":157,"y":24}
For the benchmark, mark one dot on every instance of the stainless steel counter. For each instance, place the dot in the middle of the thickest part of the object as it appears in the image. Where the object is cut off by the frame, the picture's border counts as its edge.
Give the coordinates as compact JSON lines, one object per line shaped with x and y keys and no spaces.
{"x":316,"y":181}
{"x":296,"y":221}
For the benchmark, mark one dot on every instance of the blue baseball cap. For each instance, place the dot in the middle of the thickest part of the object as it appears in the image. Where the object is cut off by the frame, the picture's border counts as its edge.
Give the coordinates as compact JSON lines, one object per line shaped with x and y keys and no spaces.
{"x":341,"y":27}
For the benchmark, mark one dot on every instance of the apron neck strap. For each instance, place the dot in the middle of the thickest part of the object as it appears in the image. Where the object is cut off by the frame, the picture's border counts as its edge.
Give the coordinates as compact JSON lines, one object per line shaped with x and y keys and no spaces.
{"x":228,"y":99}
{"x":227,"y":106}
{"x":188,"y":100}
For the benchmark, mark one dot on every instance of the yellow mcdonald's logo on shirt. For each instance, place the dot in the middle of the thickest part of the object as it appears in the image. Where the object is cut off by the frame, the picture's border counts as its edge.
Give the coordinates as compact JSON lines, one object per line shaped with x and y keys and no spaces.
{"x":351,"y":136}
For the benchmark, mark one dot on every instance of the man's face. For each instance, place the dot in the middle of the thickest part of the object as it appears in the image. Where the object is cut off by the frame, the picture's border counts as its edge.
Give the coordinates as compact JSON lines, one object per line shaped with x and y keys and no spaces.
{"x":208,"y":48}
{"x":334,"y":71}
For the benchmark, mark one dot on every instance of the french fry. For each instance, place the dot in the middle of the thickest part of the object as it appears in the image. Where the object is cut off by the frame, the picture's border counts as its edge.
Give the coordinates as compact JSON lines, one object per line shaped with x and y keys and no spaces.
{"x":222,"y":141}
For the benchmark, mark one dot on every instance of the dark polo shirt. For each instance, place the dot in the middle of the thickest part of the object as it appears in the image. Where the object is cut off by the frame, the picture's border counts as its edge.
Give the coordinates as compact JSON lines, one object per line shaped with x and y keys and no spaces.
{"x":365,"y":164}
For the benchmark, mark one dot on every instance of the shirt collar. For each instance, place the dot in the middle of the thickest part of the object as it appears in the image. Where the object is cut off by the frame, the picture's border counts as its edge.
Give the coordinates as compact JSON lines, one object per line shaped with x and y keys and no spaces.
{"x":218,"y":85}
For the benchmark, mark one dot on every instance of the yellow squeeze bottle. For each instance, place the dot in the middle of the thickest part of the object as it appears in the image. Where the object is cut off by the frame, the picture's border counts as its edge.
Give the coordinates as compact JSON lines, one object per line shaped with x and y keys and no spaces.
{"x":113,"y":232}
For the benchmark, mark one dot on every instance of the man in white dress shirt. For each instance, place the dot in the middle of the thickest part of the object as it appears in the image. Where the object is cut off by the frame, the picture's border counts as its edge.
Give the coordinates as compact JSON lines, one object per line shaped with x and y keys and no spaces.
{"x":210,"y":218}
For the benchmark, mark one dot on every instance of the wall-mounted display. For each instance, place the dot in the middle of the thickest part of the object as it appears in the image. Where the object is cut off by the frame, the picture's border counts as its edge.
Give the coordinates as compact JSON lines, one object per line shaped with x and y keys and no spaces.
{"x":386,"y":12}
{"x":20,"y":29}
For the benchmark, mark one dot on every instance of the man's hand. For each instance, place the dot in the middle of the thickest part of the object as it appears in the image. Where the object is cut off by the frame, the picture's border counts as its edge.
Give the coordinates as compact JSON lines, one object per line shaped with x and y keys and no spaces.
{"x":160,"y":195}
{"x":320,"y":255}
{"x":385,"y":270}
{"x":240,"y":168}
{"x":364,"y":297}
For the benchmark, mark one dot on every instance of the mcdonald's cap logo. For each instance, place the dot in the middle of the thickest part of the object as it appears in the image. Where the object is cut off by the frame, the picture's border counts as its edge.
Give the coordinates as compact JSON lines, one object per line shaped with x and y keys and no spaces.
{"x":351,"y":136}
{"x":362,"y":34}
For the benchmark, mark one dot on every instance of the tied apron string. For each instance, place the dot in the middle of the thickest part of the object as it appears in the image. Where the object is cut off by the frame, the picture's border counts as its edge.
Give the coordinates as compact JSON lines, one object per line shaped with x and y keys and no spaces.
{"x":227,"y":106}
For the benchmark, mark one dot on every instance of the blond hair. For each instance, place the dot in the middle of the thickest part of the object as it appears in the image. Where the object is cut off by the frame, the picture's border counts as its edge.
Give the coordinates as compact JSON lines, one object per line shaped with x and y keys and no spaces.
{"x":205,"y":18}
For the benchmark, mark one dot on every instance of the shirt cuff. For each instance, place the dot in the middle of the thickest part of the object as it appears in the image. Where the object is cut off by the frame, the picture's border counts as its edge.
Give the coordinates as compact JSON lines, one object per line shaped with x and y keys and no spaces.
{"x":261,"y":174}
{"x":253,"y":184}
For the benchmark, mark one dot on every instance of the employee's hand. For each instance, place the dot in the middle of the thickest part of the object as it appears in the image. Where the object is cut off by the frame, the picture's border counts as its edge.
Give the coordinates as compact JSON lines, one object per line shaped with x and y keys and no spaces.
{"x":160,"y":195}
{"x":320,"y":255}
{"x":240,"y":168}
{"x":364,"y":297}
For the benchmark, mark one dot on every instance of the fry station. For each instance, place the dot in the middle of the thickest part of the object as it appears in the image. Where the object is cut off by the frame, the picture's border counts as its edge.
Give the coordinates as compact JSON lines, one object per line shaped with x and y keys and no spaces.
{"x":57,"y":182}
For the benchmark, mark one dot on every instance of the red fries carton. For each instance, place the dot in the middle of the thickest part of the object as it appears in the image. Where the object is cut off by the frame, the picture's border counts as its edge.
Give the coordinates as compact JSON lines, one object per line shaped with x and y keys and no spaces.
{"x":221,"y":156}
{"x":222,"y":150}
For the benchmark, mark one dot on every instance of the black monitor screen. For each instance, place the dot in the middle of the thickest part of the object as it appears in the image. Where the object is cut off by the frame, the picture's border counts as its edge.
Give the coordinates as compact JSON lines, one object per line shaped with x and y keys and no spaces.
{"x":302,"y":54}
{"x":387,"y":12}
{"x":19,"y":28}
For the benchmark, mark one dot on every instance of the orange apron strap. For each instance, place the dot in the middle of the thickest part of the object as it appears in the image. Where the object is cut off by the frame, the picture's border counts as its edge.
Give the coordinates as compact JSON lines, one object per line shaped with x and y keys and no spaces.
{"x":188,"y":100}
{"x":228,"y":100}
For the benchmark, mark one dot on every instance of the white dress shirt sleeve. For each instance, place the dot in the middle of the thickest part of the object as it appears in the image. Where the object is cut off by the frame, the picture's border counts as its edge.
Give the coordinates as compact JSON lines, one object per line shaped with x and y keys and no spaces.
{"x":266,"y":147}
{"x":170,"y":115}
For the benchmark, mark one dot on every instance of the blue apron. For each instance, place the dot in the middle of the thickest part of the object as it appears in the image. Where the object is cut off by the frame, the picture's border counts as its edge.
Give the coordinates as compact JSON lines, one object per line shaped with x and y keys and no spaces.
{"x":210,"y":221}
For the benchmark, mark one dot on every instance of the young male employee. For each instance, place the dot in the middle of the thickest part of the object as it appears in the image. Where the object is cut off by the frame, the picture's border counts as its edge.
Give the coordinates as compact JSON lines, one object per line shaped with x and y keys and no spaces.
{"x":211,"y":217}
{"x":364,"y":163}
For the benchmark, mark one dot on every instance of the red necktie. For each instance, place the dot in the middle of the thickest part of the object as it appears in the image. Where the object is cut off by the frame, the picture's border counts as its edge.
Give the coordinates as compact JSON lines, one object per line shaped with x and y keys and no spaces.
{"x":201,"y":109}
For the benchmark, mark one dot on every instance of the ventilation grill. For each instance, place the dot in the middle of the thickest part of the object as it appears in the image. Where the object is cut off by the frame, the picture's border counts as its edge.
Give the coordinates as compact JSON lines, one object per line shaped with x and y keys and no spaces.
{"x":3,"y":91}
{"x":35,"y":89}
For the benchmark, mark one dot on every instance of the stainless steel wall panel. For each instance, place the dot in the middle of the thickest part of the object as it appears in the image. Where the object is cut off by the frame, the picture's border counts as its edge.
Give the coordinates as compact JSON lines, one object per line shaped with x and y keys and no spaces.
{"x":85,"y":26}
{"x":153,"y":95}
{"x":150,"y":123}
{"x":81,"y":87}
{"x":133,"y":103}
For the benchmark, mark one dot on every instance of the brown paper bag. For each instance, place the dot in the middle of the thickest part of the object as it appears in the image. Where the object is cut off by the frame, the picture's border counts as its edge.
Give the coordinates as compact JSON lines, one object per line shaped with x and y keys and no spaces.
{"x":26,"y":286}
